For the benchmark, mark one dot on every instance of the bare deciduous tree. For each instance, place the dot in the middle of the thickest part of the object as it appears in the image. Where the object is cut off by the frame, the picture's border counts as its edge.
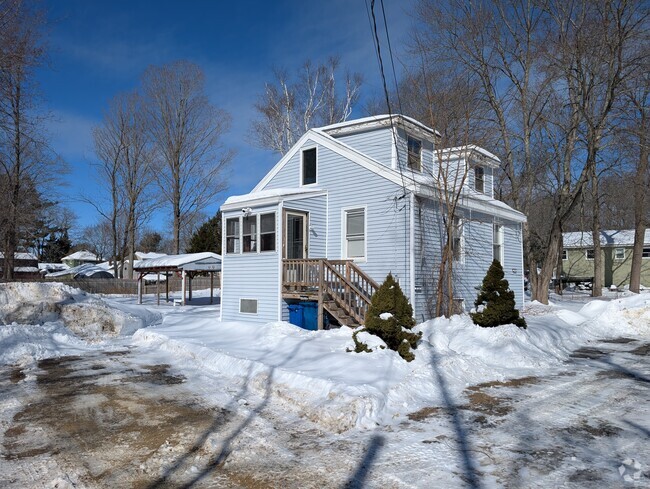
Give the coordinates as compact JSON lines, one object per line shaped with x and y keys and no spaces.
{"x":186,"y":130}
{"x":291,"y":105}
{"x":27,"y":165}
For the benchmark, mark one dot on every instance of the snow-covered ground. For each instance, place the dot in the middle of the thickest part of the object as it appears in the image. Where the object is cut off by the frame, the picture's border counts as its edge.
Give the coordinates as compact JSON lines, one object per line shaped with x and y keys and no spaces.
{"x":478,"y":407}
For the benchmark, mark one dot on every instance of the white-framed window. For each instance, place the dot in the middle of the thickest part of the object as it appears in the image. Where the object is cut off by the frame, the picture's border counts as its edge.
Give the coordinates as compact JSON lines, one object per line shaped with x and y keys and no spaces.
{"x":249,"y":234}
{"x":619,"y":253}
{"x":248,"y":306}
{"x":457,"y":243}
{"x":232,"y":235}
{"x":354,"y":223}
{"x":497,"y":242}
{"x":414,"y":150}
{"x":479,"y":179}
{"x":645,"y":253}
{"x":589,"y":254}
{"x":267,"y":232}
{"x":308,"y":167}
{"x":565,"y":254}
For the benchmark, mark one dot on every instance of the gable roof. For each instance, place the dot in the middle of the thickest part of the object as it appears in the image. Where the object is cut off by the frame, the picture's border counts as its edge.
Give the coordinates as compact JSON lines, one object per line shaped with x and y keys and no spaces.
{"x":83,"y":255}
{"x":416,"y":183}
{"x":616,"y":237}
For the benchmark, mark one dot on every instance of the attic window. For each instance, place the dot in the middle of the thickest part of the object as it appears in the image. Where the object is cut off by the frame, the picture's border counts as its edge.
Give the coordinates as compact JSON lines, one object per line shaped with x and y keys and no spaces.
{"x":645,"y":253}
{"x":565,"y":254}
{"x":309,"y":166}
{"x":619,"y":253}
{"x":414,"y":153}
{"x":479,"y":179}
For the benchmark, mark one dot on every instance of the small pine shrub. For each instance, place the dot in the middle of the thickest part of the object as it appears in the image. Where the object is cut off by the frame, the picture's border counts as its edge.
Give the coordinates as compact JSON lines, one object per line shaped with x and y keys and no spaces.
{"x":495,"y":304}
{"x":390,"y":302}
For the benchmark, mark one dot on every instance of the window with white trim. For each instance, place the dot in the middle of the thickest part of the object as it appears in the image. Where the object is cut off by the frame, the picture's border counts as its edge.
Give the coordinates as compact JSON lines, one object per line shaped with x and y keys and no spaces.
{"x":565,"y":255}
{"x":248,"y":306}
{"x":355,"y":233}
{"x":457,"y":239}
{"x":249,"y":234}
{"x":414,"y":147}
{"x":309,"y":166}
{"x":645,"y":253}
{"x":479,"y":179}
{"x":497,"y":243}
{"x":590,"y":254}
{"x":619,"y":253}
{"x":267,"y":232}
{"x":232,"y":235}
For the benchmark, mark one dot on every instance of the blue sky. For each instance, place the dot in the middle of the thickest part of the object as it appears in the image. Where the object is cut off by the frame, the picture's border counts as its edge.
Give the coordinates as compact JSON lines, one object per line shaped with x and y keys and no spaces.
{"x":98,"y":49}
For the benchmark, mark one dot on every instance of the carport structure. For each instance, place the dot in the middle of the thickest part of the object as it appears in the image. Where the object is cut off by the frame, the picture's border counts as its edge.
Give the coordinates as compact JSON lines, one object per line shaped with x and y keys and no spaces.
{"x":186,"y":265}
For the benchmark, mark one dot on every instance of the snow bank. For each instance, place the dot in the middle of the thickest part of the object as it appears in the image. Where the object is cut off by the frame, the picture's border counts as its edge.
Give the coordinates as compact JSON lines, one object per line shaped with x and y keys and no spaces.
{"x":315,"y":374}
{"x":86,"y":315}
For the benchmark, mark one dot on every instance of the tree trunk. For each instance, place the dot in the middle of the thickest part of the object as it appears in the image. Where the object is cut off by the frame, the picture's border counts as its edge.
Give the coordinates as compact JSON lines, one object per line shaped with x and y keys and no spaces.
{"x":597,"y":285}
{"x":641,"y":182}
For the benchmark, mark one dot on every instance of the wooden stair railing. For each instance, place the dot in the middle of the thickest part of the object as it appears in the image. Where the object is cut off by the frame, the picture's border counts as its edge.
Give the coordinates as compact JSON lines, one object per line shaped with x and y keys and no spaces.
{"x":343,"y":289}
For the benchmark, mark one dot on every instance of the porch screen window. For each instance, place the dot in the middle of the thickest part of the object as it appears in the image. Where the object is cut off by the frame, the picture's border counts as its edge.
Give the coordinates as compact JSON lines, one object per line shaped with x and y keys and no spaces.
{"x":457,"y":239}
{"x":414,"y":153}
{"x":267,"y":232}
{"x":249,"y":234}
{"x":232,"y":235}
{"x":619,"y":253}
{"x":355,"y":233}
{"x":309,"y":166}
{"x":497,"y":243}
{"x":590,"y":254}
{"x":479,"y":179}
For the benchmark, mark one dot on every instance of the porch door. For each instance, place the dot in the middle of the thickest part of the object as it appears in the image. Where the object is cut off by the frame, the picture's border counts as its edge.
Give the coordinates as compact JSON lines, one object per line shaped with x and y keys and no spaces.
{"x":295,"y":238}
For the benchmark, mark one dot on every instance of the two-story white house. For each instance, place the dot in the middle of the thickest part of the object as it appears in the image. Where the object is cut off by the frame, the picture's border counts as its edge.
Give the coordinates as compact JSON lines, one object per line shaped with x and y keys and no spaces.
{"x":350,"y":203}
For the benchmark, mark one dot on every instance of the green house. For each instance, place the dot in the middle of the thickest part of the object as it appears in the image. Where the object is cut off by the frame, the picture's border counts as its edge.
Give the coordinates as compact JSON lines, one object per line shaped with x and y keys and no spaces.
{"x":616,"y":249}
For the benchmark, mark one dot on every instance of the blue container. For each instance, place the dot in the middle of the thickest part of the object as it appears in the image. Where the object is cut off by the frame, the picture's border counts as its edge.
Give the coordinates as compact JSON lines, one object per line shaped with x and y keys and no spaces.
{"x":310,"y":315}
{"x":295,"y":314}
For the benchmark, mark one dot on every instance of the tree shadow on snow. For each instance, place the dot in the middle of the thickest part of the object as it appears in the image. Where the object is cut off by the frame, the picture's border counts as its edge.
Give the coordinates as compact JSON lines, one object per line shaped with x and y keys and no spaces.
{"x":217,"y":460}
{"x":471,"y":473}
{"x":358,"y":478}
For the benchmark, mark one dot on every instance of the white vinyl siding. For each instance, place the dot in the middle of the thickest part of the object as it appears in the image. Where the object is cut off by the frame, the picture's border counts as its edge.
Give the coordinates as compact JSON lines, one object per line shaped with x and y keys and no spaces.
{"x":376,"y":144}
{"x":350,"y":185}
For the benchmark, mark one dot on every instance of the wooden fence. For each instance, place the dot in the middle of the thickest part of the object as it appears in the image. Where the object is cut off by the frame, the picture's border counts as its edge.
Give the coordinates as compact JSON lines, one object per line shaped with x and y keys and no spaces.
{"x":127,"y":286}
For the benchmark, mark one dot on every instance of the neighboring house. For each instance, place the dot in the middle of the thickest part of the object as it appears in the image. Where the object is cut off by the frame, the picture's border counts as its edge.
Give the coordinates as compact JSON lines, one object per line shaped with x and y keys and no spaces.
{"x":350,"y":203}
{"x":25,"y":265}
{"x":616,"y":251}
{"x":80,"y":258}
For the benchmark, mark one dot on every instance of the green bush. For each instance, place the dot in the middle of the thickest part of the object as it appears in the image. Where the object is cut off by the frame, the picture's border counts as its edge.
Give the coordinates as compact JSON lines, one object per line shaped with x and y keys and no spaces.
{"x":495,"y":304}
{"x":390,"y":302}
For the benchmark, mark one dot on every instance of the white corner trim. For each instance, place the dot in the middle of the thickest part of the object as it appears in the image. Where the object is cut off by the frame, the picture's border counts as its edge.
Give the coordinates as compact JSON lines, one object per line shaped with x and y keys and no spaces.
{"x":412,"y":246}
{"x":278,"y":243}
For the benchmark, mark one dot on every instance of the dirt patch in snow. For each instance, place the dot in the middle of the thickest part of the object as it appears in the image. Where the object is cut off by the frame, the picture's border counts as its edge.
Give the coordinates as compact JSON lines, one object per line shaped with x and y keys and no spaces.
{"x":91,"y":424}
{"x":643,"y":350}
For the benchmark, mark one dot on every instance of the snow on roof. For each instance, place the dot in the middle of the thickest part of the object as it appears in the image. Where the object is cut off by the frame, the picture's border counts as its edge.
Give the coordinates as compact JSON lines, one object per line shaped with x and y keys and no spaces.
{"x":141,"y":255}
{"x":83,"y":255}
{"x":87,"y":270}
{"x":620,"y":237}
{"x":26,"y":269}
{"x":377,"y":119}
{"x":20,"y":256}
{"x":462,"y":151}
{"x":178,"y":261}
{"x":272,"y":195}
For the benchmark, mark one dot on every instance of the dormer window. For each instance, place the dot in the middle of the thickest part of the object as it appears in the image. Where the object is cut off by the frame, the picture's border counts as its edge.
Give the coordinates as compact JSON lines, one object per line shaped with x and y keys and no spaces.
{"x":479,"y":179}
{"x":309,"y":166}
{"x":414,"y":153}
